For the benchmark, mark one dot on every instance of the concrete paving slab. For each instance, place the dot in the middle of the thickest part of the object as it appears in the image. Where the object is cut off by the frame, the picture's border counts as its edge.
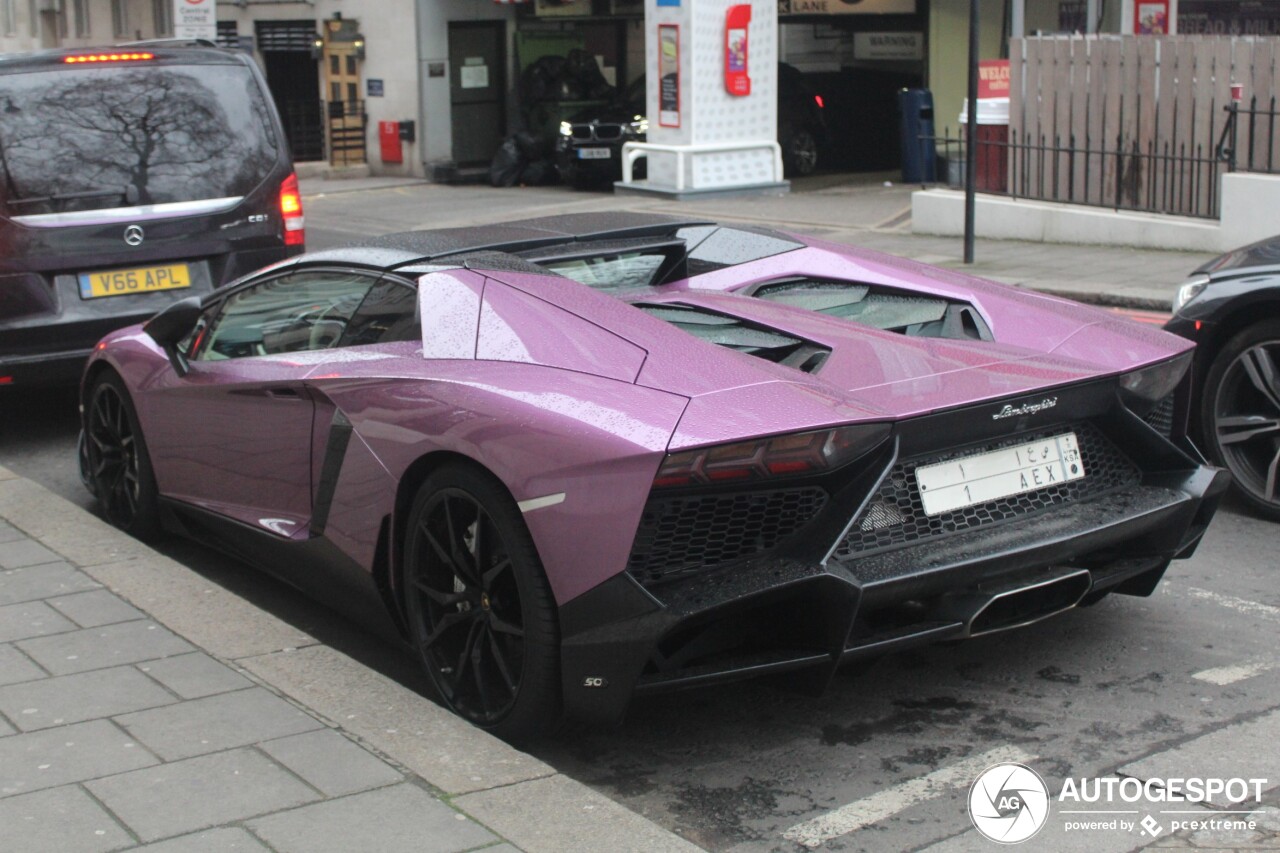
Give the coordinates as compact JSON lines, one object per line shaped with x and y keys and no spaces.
{"x":18,"y":585}
{"x":16,"y":667}
{"x":31,"y":619}
{"x":21,"y":553}
{"x":94,"y":608}
{"x":98,"y":648}
{"x":399,"y":819}
{"x":47,"y":759}
{"x":332,"y":763}
{"x":216,"y":723}
{"x":225,"y":840}
{"x":444,"y":750}
{"x":195,"y":676}
{"x":85,"y":696}
{"x":9,"y":533}
{"x":217,"y":620}
{"x":66,"y":820}
{"x":6,"y":729}
{"x":180,"y":798}
{"x":557,"y":814}
{"x":79,"y":537}
{"x":1226,"y":753}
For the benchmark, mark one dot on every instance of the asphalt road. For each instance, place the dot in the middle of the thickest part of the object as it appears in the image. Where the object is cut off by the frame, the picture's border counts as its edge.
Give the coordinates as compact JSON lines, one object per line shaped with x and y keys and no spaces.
{"x":887,"y":755}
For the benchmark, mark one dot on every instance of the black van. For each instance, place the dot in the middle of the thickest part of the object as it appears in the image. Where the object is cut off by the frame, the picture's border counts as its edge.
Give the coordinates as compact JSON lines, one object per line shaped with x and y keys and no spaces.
{"x":130,"y":177}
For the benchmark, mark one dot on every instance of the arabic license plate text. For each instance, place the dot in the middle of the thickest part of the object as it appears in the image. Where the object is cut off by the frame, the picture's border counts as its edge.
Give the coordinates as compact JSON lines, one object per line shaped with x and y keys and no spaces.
{"x":984,"y":477}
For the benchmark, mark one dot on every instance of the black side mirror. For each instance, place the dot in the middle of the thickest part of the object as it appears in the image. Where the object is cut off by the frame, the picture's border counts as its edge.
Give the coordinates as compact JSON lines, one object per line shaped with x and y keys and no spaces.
{"x":171,"y":326}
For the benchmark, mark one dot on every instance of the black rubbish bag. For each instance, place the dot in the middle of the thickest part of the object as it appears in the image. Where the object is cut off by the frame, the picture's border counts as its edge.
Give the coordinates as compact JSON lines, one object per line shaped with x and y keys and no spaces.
{"x":539,"y":173}
{"x":531,"y":147}
{"x":507,"y":164}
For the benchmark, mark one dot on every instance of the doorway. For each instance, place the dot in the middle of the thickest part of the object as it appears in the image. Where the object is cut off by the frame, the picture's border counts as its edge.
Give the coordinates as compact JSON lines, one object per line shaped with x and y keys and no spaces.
{"x":343,"y":54}
{"x":477,"y":90}
{"x":294,"y":81}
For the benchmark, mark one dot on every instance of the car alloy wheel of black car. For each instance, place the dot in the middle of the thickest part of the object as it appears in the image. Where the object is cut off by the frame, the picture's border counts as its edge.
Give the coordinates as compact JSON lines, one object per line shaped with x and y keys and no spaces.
{"x":1240,"y":414}
{"x":800,"y":153}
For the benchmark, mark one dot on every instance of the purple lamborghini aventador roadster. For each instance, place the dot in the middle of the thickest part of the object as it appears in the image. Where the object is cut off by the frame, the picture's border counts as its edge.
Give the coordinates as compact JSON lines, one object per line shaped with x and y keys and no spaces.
{"x":575,"y":460}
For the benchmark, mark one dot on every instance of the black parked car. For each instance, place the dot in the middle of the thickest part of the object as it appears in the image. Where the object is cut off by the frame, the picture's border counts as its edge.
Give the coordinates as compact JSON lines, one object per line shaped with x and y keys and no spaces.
{"x":1231,"y":309}
{"x":130,"y":177}
{"x":589,"y":147}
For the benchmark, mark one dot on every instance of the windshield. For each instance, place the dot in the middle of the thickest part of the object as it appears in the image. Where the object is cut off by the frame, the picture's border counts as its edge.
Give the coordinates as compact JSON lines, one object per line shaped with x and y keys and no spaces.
{"x":92,"y":138}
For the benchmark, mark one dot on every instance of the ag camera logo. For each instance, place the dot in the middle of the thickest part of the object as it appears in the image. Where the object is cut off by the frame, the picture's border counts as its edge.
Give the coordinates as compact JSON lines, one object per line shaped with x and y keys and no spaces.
{"x":1008,"y":803}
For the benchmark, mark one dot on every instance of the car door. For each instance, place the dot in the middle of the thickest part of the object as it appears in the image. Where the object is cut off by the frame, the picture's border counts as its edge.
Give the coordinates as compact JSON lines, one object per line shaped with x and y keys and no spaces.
{"x":234,"y":435}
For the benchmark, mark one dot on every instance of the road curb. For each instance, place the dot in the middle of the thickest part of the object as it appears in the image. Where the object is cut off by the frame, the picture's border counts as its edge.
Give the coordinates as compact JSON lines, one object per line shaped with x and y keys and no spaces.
{"x":518,"y":796}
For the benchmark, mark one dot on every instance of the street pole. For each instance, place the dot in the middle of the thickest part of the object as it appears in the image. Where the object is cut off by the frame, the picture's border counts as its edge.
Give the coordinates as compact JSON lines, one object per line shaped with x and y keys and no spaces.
{"x":971,"y":133}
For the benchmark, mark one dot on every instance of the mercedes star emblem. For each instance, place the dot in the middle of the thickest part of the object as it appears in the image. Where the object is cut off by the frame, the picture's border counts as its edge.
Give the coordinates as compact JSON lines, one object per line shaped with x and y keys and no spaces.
{"x":133,"y":235}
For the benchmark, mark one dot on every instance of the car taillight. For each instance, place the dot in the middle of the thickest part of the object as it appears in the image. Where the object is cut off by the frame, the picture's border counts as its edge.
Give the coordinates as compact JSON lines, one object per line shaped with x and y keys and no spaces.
{"x":107,"y":57}
{"x":791,"y":455}
{"x":817,"y":99}
{"x":291,"y":212}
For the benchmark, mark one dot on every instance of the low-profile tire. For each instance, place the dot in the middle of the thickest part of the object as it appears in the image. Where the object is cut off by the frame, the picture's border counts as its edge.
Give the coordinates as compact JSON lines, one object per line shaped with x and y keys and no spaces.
{"x":800,"y":153}
{"x":1240,"y":415}
{"x":116,"y":457}
{"x":480,"y":611}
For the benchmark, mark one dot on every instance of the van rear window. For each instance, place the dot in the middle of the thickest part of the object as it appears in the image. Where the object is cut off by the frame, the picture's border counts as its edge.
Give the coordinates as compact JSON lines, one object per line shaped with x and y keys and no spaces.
{"x":118,"y":136}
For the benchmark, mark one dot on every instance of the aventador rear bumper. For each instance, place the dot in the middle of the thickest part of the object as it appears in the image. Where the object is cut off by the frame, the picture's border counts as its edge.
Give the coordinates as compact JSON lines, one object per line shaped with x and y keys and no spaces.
{"x":809,"y":606}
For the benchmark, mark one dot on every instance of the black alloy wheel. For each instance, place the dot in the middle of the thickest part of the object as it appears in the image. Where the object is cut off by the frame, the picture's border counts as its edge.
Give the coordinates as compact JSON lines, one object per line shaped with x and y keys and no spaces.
{"x":1241,"y":415}
{"x":479,"y":607}
{"x":801,"y":153}
{"x":115,"y":456}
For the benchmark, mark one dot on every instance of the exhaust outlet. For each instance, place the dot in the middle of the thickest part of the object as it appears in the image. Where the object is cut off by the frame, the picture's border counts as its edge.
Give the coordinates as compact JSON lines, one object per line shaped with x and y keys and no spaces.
{"x":1023,"y":605}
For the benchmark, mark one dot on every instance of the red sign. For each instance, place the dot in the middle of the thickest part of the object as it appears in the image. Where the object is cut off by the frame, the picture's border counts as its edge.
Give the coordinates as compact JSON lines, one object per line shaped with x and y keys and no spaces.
{"x":993,"y":78}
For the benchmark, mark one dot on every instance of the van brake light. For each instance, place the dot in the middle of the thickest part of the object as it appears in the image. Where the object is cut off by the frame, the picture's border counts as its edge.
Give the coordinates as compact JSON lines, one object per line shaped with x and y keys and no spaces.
{"x":107,"y":57}
{"x":291,"y":212}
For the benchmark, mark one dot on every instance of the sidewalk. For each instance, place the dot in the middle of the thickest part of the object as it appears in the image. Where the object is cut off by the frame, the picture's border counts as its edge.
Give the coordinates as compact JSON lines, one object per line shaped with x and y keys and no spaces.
{"x":144,"y":707}
{"x":853,"y":209}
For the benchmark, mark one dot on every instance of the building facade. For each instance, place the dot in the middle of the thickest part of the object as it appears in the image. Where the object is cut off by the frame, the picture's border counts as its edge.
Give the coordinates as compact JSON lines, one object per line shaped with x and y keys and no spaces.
{"x":456,"y":74}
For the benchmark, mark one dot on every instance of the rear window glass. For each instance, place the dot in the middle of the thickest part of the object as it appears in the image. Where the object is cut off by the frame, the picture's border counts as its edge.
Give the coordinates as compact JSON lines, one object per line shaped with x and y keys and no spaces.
{"x":119,"y":136}
{"x":613,"y":273}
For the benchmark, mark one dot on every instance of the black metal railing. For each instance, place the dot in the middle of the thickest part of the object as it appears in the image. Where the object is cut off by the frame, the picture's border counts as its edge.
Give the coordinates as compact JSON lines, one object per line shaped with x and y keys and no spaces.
{"x":1153,"y":178}
{"x":1248,"y":140}
{"x":304,"y":128}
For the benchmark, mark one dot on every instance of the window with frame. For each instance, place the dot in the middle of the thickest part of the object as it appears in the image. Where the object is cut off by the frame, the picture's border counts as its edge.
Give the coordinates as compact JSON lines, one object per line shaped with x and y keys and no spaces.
{"x":388,"y":314}
{"x":119,"y":18}
{"x":83,"y":26}
{"x":162,"y":14}
{"x":301,"y":312}
{"x":33,"y":17}
{"x":8,"y":25}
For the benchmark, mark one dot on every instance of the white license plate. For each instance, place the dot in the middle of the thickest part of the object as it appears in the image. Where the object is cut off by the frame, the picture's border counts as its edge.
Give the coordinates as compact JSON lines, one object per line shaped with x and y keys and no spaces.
{"x":953,"y":485}
{"x":595,"y":153}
